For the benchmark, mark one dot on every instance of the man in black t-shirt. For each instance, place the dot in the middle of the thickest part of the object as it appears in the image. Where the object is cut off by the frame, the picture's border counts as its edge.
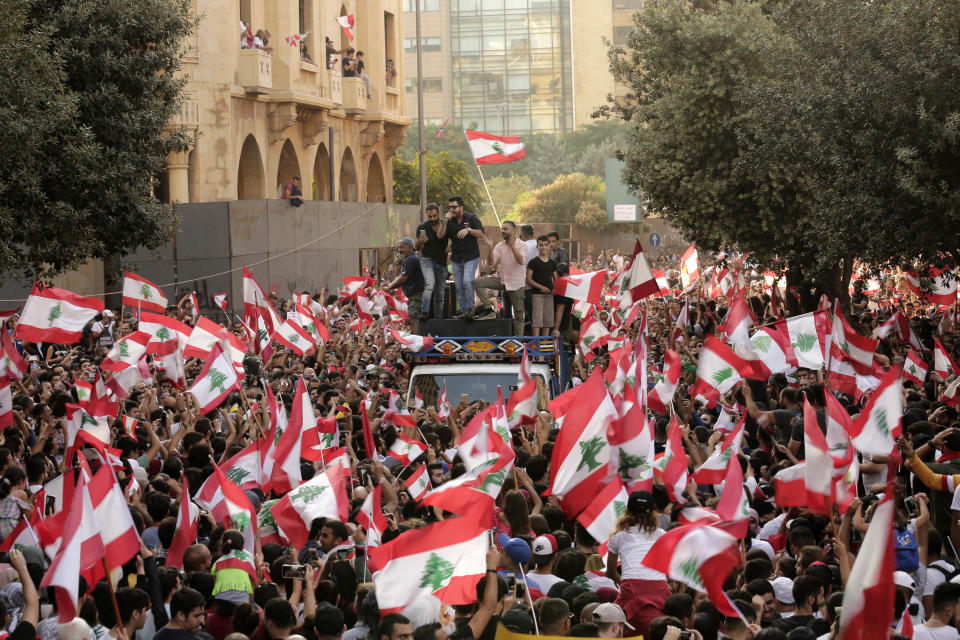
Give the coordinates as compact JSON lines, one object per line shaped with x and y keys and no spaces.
{"x":349,"y":64}
{"x":463,"y":228}
{"x":410,"y":278}
{"x":541,"y":272}
{"x":433,"y":262}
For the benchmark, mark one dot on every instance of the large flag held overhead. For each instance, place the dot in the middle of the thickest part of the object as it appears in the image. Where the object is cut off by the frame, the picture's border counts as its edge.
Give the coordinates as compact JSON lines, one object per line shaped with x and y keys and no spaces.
{"x":689,"y":267}
{"x":324,"y":495}
{"x":878,"y":426}
{"x":718,"y":370}
{"x":216,"y":381}
{"x":490,"y":149}
{"x":585,"y":286}
{"x":141,"y":294}
{"x":55,"y":315}
{"x":937,"y":286}
{"x":640,"y":281}
{"x":867,"y":609}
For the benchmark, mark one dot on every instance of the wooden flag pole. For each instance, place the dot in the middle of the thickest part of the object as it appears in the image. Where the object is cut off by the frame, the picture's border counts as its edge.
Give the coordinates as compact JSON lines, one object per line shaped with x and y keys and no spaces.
{"x":113,"y":593}
{"x":484,"y":182}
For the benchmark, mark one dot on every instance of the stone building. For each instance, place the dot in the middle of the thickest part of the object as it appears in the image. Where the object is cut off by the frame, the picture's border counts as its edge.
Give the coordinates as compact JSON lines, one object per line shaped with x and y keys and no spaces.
{"x":259,"y":117}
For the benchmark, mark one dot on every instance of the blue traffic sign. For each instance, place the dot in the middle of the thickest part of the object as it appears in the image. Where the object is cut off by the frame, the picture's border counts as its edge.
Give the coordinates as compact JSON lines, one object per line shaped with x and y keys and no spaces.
{"x":654,"y":239}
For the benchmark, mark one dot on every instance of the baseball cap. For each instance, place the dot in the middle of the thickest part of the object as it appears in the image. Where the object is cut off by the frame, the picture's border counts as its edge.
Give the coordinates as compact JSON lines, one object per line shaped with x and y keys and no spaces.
{"x":609,"y":612}
{"x":640,"y":502}
{"x":903,"y":579}
{"x":406,"y":240}
{"x":517,"y":620}
{"x":783,"y":589}
{"x":545,"y":545}
{"x":517,"y":550}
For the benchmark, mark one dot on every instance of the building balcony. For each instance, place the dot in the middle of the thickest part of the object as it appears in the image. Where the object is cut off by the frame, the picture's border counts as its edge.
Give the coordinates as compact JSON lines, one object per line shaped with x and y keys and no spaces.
{"x":256,"y":71}
{"x":336,"y":86}
{"x":354,"y":94}
{"x":391,"y":100}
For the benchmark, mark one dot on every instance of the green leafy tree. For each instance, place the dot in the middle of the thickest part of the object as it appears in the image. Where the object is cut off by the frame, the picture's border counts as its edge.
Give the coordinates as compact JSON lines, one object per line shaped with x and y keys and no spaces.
{"x":89,"y":87}
{"x":560,"y":201}
{"x":591,"y":215}
{"x":814,"y":133}
{"x":446,"y":176}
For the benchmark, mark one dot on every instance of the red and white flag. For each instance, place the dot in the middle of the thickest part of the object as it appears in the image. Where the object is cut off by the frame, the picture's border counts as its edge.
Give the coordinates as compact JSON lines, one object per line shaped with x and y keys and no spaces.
{"x":581,"y":453}
{"x":632,"y":448}
{"x":878,"y":426}
{"x":286,"y":452}
{"x":406,"y":450}
{"x":714,"y":469}
{"x":943,"y":364}
{"x":640,"y":281}
{"x":445,"y":559}
{"x":818,"y":470}
{"x":700,"y":557}
{"x":142,"y":295}
{"x":220,"y":299}
{"x":661,"y":396}
{"x":850,"y":346}
{"x":718,"y":370}
{"x":163,"y":329}
{"x":194,"y":305}
{"x":293,"y":337}
{"x":490,"y":149}
{"x":807,"y":334}
{"x":130,"y":427}
{"x":21,"y":536}
{"x":216,"y":381}
{"x":768,"y":352}
{"x":324,"y":495}
{"x":689,"y":267}
{"x":587,"y":287}
{"x":938,"y":286}
{"x":673,"y":464}
{"x":662,"y":284}
{"x":78,"y":419}
{"x":905,"y":627}
{"x":914,"y":368}
{"x":868,"y":596}
{"x":593,"y":335}
{"x":12,"y":364}
{"x":347,"y":23}
{"x":258,"y":311}
{"x":370,"y":516}
{"x":418,"y":483}
{"x":56,"y":315}
{"x":443,"y":407}
{"x":739,"y":320}
{"x":411,"y":342}
{"x":228,"y":504}
{"x":601,"y":516}
{"x":126,"y":352}
{"x":186,"y":532}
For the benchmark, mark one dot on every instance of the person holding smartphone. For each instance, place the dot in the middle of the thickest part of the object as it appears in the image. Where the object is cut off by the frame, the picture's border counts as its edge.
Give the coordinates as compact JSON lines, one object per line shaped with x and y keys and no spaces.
{"x":433,"y":263}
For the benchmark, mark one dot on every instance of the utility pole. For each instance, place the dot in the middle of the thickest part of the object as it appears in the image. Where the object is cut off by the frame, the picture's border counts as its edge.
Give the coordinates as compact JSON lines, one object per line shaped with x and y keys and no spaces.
{"x":420,"y":149}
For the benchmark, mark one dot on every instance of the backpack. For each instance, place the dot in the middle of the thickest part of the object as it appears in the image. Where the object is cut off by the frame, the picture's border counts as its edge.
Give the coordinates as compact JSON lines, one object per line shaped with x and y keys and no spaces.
{"x":943,"y":568}
{"x":908,"y":554}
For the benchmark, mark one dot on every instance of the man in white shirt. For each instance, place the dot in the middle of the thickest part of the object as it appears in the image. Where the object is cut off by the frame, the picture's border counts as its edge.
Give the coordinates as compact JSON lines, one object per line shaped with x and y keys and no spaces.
{"x":510,"y":255}
{"x":945,"y":609}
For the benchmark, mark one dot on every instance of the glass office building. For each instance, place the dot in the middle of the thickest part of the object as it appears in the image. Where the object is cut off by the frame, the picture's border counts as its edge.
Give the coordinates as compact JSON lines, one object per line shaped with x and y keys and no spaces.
{"x":511,"y":65}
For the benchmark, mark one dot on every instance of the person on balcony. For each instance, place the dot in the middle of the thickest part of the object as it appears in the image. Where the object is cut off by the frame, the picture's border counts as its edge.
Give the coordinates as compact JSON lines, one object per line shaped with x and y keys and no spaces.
{"x":349,"y":64}
{"x":391,"y":72}
{"x":366,"y":79}
{"x":261,"y":40}
{"x":293,"y":192}
{"x":332,"y":51}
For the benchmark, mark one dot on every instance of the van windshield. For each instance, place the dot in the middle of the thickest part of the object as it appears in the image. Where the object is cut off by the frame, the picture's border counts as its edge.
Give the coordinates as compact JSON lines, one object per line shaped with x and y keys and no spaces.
{"x":476,"y":386}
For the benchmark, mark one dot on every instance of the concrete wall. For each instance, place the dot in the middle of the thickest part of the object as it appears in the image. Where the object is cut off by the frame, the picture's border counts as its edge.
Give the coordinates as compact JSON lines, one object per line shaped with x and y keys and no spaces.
{"x":217,"y":237}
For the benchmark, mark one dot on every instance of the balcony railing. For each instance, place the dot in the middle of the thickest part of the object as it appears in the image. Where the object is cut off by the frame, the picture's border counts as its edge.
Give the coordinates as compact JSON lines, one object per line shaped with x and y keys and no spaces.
{"x":354,"y":94}
{"x":336,"y":86}
{"x":256,"y":72}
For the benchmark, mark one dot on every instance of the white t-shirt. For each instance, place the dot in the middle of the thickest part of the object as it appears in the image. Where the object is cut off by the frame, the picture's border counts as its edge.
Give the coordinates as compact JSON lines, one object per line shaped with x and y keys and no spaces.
{"x":545,"y":580}
{"x":955,"y":505}
{"x":935,"y":575}
{"x":924,"y":632}
{"x":632,"y":546}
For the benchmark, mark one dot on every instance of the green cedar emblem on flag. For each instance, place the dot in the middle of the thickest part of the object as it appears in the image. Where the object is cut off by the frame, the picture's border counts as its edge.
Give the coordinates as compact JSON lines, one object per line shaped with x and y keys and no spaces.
{"x":163,"y":334}
{"x":218,"y":380}
{"x":805,"y":342}
{"x":589,"y":449}
{"x":881,"y":418}
{"x":307,"y":494}
{"x":241,"y":521}
{"x":236,"y":475}
{"x":145,"y":292}
{"x":762,"y":342}
{"x":629,"y":462}
{"x":619,"y":507}
{"x":722,"y":375}
{"x":55,"y":313}
{"x":124,"y":349}
{"x":494,"y":479}
{"x":436,"y":572}
{"x":691,"y":572}
{"x":294,"y":338}
{"x":498,"y":147}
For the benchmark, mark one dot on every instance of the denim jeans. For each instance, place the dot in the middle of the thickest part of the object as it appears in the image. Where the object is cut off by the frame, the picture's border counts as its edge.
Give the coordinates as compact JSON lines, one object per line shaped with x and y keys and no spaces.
{"x":435,"y":278}
{"x":463,"y":274}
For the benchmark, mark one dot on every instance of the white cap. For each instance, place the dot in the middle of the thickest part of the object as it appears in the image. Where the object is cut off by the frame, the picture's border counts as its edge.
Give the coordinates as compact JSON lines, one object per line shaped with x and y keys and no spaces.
{"x":783,"y":589}
{"x":609,"y":612}
{"x":903,"y":579}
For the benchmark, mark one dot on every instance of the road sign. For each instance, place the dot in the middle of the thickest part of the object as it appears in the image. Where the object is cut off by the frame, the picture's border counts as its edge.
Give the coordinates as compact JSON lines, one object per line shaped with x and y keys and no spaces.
{"x":654,"y":240}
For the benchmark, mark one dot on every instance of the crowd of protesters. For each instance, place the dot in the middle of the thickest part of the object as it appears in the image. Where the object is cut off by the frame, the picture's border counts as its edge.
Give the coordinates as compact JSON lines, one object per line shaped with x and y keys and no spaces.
{"x":546,"y":574}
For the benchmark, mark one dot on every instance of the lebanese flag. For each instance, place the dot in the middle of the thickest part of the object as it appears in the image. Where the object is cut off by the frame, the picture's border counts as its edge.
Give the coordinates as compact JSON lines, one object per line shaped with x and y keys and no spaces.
{"x":126,"y":352}
{"x":718,"y":370}
{"x":905,"y":628}
{"x":285,"y":470}
{"x":523,"y":405}
{"x":739,"y":320}
{"x":169,"y":363}
{"x":6,"y":314}
{"x":217,"y":380}
{"x":593,"y":335}
{"x":194,"y":304}
{"x":257,"y":308}
{"x":914,"y":369}
{"x":314,"y":440}
{"x":443,"y":407}
{"x":733,"y":509}
{"x":878,"y":426}
{"x":204,"y":335}
{"x":186,"y":533}
{"x":662,"y":284}
{"x":406,"y":450}
{"x":490,"y":149}
{"x":869,"y":593}
{"x":220,"y":299}
{"x":369,"y":444}
{"x":601,"y":515}
{"x":12,"y":364}
{"x":850,"y":346}
{"x":411,"y":342}
{"x":938,"y":286}
{"x":308,"y":320}
{"x":244,"y":468}
{"x":445,"y":559}
{"x":632,"y":450}
{"x":55,"y":315}
{"x":227,"y":502}
{"x":347,"y":24}
{"x":130,"y":427}
{"x":663,"y":391}
{"x":943,"y":364}
{"x":581,"y":452}
{"x":370,"y":516}
{"x":689,"y":267}
{"x":582,"y":309}
{"x":141,"y":294}
{"x":951,"y":394}
{"x":674,"y":462}
{"x":839,"y":426}
{"x":818,"y":468}
{"x":354,"y":284}
{"x":475,"y":491}
{"x":21,"y":536}
{"x":396,"y":412}
{"x":683,"y":322}
{"x":767,"y":352}
{"x":293,"y":337}
{"x":78,"y":419}
{"x":117,"y":532}
{"x":323,"y":496}
{"x":6,"y":403}
{"x":699,"y":556}
{"x":162,"y":329}
{"x":807,"y":334}
{"x":79,"y":531}
{"x":640,"y":281}
{"x":418,"y":483}
{"x":714,"y":468}
{"x":587,"y":287}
